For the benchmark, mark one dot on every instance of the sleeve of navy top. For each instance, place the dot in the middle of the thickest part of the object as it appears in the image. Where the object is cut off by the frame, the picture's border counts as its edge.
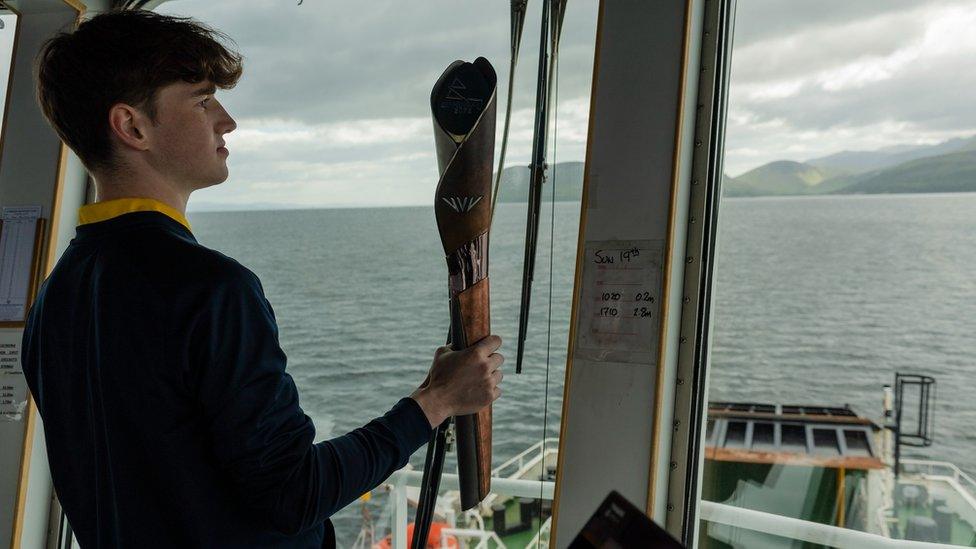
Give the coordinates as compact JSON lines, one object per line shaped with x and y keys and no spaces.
{"x":260,"y":435}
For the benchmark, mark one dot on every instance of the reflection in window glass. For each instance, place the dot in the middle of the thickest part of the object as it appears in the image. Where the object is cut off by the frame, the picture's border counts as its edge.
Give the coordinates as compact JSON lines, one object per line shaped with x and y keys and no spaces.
{"x":332,"y":177}
{"x":847,"y":243}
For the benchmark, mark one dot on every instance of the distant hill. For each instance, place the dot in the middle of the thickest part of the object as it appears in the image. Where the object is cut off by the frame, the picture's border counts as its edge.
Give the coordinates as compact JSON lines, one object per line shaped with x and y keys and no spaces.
{"x":954,"y":172}
{"x":514,"y":186}
{"x":783,"y":177}
{"x":949,"y":166}
{"x":864,"y":161}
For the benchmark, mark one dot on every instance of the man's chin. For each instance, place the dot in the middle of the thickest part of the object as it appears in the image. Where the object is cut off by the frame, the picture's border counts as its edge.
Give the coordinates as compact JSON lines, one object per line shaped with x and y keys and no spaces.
{"x":216,"y":179}
{"x":199,"y":185}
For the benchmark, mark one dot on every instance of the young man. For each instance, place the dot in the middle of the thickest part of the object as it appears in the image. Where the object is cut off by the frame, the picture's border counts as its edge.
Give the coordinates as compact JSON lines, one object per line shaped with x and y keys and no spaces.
{"x":154,"y":361}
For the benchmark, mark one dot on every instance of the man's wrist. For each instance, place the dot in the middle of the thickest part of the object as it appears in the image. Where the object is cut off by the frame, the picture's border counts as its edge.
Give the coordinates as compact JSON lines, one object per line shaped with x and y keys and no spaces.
{"x":435,"y":411}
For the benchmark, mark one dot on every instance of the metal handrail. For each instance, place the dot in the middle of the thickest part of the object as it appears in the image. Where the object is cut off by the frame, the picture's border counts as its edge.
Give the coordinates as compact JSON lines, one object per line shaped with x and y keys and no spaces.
{"x":519,"y":458}
{"x":482,"y":536}
{"x":400,"y":480}
{"x":955,"y":472}
{"x":802,"y":530}
{"x":542,"y":536}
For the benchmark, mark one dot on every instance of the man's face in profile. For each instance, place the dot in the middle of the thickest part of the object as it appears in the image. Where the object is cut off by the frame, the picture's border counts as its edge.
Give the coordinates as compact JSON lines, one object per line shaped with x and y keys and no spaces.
{"x":188,"y":136}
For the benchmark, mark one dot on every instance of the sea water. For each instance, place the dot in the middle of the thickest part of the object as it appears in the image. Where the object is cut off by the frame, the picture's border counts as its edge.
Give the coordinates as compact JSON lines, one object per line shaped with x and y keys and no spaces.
{"x":818,"y":300}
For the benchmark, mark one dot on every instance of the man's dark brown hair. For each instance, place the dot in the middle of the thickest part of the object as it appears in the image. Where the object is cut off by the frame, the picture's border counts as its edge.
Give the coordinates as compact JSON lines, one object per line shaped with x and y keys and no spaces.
{"x":123,"y":57}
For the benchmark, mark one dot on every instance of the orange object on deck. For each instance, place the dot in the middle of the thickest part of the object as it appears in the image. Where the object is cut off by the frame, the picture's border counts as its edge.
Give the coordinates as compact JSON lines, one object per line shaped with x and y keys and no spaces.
{"x":433,"y":539}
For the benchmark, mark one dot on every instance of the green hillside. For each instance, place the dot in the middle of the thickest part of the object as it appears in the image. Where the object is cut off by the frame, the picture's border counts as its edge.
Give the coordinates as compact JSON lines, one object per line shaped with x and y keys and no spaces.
{"x":783,"y":177}
{"x":954,"y":172}
{"x":865,"y":161}
{"x":949,"y":166}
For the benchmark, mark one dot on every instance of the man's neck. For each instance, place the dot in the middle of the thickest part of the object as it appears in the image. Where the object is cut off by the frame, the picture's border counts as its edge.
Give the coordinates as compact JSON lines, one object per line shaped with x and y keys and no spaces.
{"x":131,"y":186}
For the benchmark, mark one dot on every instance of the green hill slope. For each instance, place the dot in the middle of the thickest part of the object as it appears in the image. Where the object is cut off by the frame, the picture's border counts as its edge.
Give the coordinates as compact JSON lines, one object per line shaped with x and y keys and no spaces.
{"x":954,"y":172}
{"x":783,"y":177}
{"x":865,"y":161}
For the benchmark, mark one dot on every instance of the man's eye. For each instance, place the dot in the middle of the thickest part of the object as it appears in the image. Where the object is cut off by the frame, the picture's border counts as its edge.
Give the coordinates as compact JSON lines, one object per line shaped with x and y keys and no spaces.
{"x":204,"y":102}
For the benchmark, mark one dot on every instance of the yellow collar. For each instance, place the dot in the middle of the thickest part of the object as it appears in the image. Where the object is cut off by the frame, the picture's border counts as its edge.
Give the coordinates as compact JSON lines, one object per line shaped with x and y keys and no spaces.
{"x":102,"y":211}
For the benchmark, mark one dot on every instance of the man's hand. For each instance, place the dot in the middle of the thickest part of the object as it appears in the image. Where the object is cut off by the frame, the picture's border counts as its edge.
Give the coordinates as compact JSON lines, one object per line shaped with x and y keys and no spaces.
{"x":461,"y":382}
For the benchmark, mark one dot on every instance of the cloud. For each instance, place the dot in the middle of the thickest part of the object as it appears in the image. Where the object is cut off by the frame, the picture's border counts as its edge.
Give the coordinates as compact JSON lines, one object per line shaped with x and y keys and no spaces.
{"x":333,"y":108}
{"x":258,"y":134}
{"x":334,"y":101}
{"x":327,"y":61}
{"x":888,"y":77}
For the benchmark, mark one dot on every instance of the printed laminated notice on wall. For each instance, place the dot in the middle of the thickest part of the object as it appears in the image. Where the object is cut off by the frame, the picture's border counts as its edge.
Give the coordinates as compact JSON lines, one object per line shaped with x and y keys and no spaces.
{"x":17,"y":242}
{"x":13,"y":386}
{"x":620,"y":301}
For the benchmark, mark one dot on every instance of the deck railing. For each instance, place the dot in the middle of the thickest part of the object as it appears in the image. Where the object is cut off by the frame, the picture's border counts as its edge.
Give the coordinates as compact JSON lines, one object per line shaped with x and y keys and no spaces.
{"x":801,"y":530}
{"x":943,"y":469}
{"x":711,"y":512}
{"x":403,"y":478}
{"x":517,"y":462}
{"x":541,"y":539}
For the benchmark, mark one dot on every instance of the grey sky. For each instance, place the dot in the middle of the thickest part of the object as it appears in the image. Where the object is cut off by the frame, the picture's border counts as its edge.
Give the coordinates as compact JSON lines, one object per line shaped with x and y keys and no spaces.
{"x":333,"y":108}
{"x":812,"y":78}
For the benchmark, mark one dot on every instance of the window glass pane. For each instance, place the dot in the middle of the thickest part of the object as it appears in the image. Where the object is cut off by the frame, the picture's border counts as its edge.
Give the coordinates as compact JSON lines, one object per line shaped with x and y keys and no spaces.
{"x":329,"y":201}
{"x":847,"y":239}
{"x":8,"y":31}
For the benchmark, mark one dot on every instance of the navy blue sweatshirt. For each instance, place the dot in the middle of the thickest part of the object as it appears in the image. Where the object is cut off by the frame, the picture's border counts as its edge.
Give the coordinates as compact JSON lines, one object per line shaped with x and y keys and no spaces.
{"x":170,"y":420}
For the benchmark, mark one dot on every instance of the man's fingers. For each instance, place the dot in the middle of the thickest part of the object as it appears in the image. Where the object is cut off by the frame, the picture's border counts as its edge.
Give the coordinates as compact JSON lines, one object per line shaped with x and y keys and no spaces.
{"x":488,"y":345}
{"x":497,"y":375}
{"x":441,"y":350}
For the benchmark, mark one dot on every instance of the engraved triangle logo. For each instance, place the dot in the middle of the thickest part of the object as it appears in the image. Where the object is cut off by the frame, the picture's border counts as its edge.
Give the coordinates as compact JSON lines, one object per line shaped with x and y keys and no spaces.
{"x":462,"y":204}
{"x":455,"y":92}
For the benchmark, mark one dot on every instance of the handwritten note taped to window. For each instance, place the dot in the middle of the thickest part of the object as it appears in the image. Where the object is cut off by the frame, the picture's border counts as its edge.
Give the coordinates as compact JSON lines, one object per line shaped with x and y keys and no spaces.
{"x":13,"y":386}
{"x":620,"y":305}
{"x":16,"y":259}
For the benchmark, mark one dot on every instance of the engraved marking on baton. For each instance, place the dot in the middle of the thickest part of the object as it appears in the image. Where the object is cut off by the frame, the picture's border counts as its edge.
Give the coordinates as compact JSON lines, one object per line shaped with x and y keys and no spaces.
{"x":462,"y":204}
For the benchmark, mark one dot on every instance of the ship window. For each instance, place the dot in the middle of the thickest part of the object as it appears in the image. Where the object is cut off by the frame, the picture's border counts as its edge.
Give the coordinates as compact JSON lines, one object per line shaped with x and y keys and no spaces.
{"x":857,"y":443}
{"x":825,"y":442}
{"x":8,"y":31}
{"x":842,"y":286}
{"x":763,"y":436}
{"x":330,"y":202}
{"x":735,"y":434}
{"x":793,"y":438}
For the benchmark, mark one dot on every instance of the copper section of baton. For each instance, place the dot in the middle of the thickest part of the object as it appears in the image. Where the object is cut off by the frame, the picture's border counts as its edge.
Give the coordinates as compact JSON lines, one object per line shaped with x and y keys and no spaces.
{"x":483,"y":426}
{"x":474,"y":312}
{"x":473,"y":305}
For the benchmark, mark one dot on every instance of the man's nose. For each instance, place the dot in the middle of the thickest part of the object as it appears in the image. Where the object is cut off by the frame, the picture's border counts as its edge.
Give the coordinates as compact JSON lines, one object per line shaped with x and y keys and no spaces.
{"x":226,"y":123}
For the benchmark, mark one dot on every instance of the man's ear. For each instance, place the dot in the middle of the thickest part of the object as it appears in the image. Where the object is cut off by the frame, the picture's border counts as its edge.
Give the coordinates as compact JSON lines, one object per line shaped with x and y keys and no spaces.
{"x":129,"y":125}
